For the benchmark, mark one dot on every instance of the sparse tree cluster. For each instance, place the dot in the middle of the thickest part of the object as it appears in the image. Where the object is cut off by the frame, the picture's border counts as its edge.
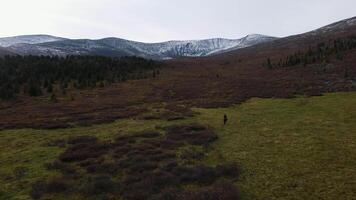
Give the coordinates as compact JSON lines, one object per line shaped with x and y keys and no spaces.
{"x":322,"y":53}
{"x":37,"y":75}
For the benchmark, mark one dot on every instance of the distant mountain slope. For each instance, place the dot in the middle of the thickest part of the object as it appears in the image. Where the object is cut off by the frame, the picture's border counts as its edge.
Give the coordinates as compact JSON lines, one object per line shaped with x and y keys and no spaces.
{"x":282,"y":47}
{"x":4,"y":52}
{"x":121,"y":47}
{"x":28,"y":39}
{"x":338,"y":26}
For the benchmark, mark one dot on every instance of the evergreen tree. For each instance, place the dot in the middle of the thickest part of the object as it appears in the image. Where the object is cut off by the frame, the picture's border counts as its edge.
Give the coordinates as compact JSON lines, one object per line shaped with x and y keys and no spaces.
{"x":53,"y":98}
{"x":37,"y":73}
{"x":34,"y":90}
{"x":269,"y":63}
{"x":50,"y":88}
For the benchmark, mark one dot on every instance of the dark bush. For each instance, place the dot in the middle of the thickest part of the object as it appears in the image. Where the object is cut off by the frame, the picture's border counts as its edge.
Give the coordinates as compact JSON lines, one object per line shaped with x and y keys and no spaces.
{"x":219,"y":191}
{"x":194,"y":127}
{"x":229,"y":170}
{"x":164,"y":156}
{"x":184,"y":174}
{"x":151,"y":152}
{"x":144,"y":146}
{"x":38,"y":189}
{"x":146,"y":185}
{"x":169,"y":166}
{"x":124,"y":140}
{"x":56,"y":185}
{"x":65,"y":168}
{"x":143,"y":167}
{"x":170,"y":144}
{"x":147,"y":134}
{"x":100,"y":185}
{"x":185,"y":128}
{"x":204,"y":174}
{"x":82,"y":139}
{"x":192,"y":134}
{"x":169,"y":194}
{"x":53,"y":185}
{"x":103,"y":168}
{"x":195,"y":174}
{"x":83,"y":151}
{"x":163,"y":179}
{"x":90,"y":161}
{"x":122,"y":150}
{"x":94,"y":168}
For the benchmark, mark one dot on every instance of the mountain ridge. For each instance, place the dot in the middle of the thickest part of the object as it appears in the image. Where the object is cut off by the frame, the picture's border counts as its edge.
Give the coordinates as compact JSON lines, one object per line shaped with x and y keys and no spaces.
{"x":28,"y":39}
{"x":117,"y":47}
{"x":111,"y":46}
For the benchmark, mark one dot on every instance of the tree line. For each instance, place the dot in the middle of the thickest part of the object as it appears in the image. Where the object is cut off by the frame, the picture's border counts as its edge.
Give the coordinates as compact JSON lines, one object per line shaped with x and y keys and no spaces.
{"x":321,"y":53}
{"x":37,"y":75}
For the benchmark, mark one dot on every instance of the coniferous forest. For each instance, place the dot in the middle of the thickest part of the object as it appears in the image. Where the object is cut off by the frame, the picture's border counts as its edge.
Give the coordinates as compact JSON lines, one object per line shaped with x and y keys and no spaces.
{"x":37,"y":75}
{"x":321,"y":53}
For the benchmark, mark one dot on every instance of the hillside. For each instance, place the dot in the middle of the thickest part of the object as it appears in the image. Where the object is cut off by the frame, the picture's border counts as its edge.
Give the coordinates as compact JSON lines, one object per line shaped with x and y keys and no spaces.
{"x":214,"y":81}
{"x":4,"y":51}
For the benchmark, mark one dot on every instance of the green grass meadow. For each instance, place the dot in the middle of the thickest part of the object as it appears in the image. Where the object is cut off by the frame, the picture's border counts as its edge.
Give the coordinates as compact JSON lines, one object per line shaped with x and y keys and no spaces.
{"x":287,"y":149}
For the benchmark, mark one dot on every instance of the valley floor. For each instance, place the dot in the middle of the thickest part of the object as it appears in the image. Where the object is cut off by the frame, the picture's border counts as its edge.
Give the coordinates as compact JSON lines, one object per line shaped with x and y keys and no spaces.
{"x":300,"y":148}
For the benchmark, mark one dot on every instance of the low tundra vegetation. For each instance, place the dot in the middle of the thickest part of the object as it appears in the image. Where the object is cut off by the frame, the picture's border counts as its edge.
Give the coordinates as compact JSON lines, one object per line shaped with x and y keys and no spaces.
{"x":145,"y":165}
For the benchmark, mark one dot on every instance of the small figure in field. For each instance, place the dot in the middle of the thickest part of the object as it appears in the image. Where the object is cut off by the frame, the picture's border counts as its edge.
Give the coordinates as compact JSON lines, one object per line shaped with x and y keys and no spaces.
{"x":225,"y":119}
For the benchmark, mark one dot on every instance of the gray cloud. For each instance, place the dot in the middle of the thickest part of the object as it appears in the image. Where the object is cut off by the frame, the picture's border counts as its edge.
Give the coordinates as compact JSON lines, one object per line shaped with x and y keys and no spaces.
{"x":160,"y":20}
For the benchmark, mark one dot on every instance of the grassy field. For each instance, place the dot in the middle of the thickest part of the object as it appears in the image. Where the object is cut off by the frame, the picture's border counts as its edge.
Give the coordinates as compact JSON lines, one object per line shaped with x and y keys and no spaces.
{"x":302,"y":148}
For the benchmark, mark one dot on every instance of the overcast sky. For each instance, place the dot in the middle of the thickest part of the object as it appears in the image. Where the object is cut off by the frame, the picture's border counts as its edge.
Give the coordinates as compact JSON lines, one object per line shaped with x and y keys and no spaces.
{"x":161,"y":20}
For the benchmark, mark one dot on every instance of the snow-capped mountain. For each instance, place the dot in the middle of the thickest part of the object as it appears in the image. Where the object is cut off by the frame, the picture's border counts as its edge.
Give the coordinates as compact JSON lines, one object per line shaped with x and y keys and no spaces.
{"x":56,"y":46}
{"x":121,"y":47}
{"x":28,"y":39}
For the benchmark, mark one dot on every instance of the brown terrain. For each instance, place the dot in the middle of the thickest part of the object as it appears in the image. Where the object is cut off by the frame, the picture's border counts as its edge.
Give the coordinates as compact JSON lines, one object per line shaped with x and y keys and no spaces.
{"x":215,"y":81}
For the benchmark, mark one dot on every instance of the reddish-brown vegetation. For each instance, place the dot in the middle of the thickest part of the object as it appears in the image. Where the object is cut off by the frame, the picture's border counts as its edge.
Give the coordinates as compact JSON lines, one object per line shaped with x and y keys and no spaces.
{"x":147,"y":164}
{"x":213,"y":81}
